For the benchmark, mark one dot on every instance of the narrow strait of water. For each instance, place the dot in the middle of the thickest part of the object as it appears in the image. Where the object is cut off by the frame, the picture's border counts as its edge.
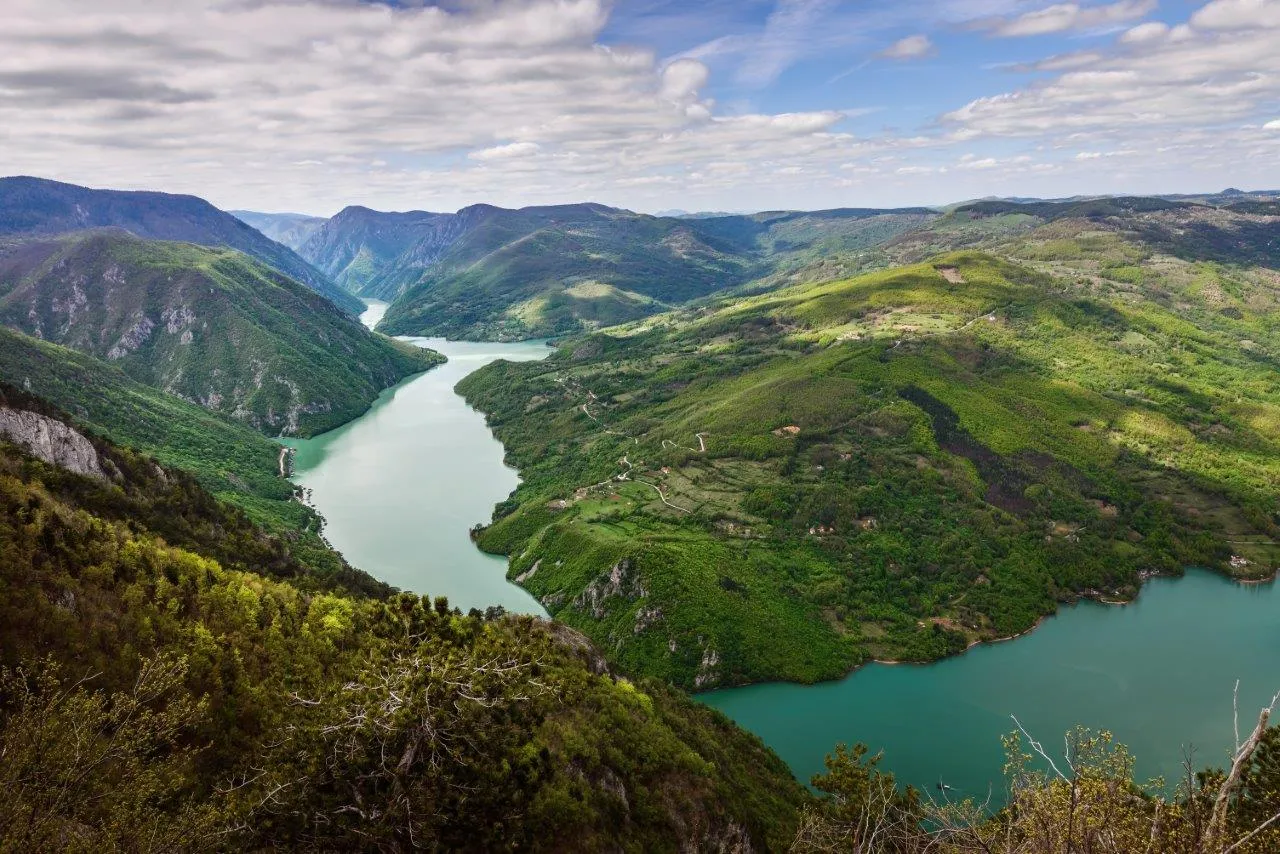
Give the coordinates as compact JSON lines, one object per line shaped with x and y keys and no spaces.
{"x":401,"y":486}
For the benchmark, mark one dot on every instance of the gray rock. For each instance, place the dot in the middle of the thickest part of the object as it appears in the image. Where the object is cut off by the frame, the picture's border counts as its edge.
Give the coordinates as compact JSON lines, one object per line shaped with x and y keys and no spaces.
{"x":51,"y":440}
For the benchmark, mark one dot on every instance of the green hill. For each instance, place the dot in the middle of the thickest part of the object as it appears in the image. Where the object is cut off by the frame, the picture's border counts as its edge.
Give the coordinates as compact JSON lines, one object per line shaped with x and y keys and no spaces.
{"x":162,"y":688}
{"x":544,"y":271}
{"x":488,"y":272}
{"x":902,"y":463}
{"x":209,"y":325}
{"x":363,"y":250}
{"x":237,"y":465}
{"x":34,"y":207}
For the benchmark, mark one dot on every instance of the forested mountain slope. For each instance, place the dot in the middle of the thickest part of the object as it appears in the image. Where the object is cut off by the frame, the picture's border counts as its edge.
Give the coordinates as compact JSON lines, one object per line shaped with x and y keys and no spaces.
{"x":363,"y":249}
{"x":175,"y":694}
{"x":236,"y":464}
{"x":37,"y":207}
{"x":901,"y":463}
{"x":212,"y":326}
{"x":543,"y":271}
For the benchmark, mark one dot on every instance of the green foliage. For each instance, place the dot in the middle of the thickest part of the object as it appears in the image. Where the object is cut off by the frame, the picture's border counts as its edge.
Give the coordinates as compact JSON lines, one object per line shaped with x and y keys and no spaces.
{"x":91,"y":771}
{"x":1084,"y":800}
{"x":209,"y":325}
{"x":34,"y":207}
{"x":313,"y":720}
{"x":237,"y":465}
{"x":911,"y":460}
{"x":549,"y":271}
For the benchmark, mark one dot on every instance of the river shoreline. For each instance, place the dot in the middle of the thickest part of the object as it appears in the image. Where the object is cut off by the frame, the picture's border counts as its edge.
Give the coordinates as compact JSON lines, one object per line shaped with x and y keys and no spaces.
{"x":400,"y":488}
{"x":1123,"y":669}
{"x":1089,"y":596}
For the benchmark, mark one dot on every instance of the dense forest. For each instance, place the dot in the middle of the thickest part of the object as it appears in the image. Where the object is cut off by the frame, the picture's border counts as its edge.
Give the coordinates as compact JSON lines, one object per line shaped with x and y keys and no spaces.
{"x":208,"y":325}
{"x":174,"y":681}
{"x":170,"y":680}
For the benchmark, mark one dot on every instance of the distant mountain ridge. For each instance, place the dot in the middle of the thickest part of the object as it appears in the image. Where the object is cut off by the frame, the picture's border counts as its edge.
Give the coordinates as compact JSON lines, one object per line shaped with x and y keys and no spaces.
{"x":491,"y":272}
{"x":291,"y":229}
{"x":358,"y":246}
{"x":36,"y":207}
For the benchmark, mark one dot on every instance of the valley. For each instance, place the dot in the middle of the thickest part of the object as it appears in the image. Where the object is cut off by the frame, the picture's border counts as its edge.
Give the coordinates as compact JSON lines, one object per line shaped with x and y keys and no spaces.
{"x":804,"y":426}
{"x":401,"y":486}
{"x":884,"y":437}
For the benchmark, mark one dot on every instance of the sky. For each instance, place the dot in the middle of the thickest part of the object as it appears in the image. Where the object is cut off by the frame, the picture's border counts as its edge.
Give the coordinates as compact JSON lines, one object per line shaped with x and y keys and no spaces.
{"x":730,"y":105}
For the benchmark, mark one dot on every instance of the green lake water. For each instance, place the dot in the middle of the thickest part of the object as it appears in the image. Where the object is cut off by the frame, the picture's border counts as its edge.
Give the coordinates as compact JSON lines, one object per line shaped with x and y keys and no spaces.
{"x":401,"y":486}
{"x":1159,"y":673}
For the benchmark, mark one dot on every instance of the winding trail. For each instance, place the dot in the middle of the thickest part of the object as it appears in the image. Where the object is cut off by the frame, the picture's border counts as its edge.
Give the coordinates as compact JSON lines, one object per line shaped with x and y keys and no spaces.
{"x":663,"y":497}
{"x":702,"y":444}
{"x":623,"y":476}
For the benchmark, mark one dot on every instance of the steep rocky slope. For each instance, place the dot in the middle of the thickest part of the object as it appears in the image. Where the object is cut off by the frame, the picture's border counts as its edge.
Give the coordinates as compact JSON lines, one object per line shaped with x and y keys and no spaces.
{"x":222,"y":688}
{"x":210,"y":325}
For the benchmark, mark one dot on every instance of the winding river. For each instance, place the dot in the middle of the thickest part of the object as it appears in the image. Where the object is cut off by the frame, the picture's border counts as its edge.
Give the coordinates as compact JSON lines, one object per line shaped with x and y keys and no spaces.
{"x":401,"y":486}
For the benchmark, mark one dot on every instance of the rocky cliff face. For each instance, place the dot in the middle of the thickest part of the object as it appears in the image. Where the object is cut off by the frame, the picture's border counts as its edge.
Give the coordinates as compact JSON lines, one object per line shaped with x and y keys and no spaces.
{"x":51,"y":440}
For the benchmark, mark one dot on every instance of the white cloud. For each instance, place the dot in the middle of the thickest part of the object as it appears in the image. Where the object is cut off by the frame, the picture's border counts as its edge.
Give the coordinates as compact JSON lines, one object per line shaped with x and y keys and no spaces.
{"x":1064,"y":17}
{"x":1237,"y":15}
{"x":238,"y":100}
{"x":911,"y":47}
{"x":682,"y":79}
{"x":788,"y":33}
{"x":1205,"y":77}
{"x":1065,"y":62}
{"x":314,"y":104}
{"x":506,"y":152}
{"x":1272,"y":125}
{"x":1147,"y":32}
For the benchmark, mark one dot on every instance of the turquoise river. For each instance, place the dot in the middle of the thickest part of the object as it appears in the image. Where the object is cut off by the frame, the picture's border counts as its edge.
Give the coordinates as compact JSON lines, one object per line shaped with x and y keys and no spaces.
{"x":401,"y":486}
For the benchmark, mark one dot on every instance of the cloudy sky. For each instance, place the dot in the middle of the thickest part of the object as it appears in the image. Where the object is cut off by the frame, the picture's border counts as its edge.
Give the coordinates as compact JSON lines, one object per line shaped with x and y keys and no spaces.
{"x":310,"y":105}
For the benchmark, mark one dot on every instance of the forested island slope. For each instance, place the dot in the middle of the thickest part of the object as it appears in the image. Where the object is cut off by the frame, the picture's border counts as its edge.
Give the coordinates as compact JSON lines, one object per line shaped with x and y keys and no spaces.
{"x":902,"y":463}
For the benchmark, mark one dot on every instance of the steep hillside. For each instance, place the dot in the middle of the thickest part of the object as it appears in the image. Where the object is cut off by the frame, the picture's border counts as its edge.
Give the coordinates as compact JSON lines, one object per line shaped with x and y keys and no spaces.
{"x":901,"y":463}
{"x":359,"y":247}
{"x":209,"y":325}
{"x":237,"y":465}
{"x":36,"y":207}
{"x":544,"y":271}
{"x":288,"y":228}
{"x":176,"y":694}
